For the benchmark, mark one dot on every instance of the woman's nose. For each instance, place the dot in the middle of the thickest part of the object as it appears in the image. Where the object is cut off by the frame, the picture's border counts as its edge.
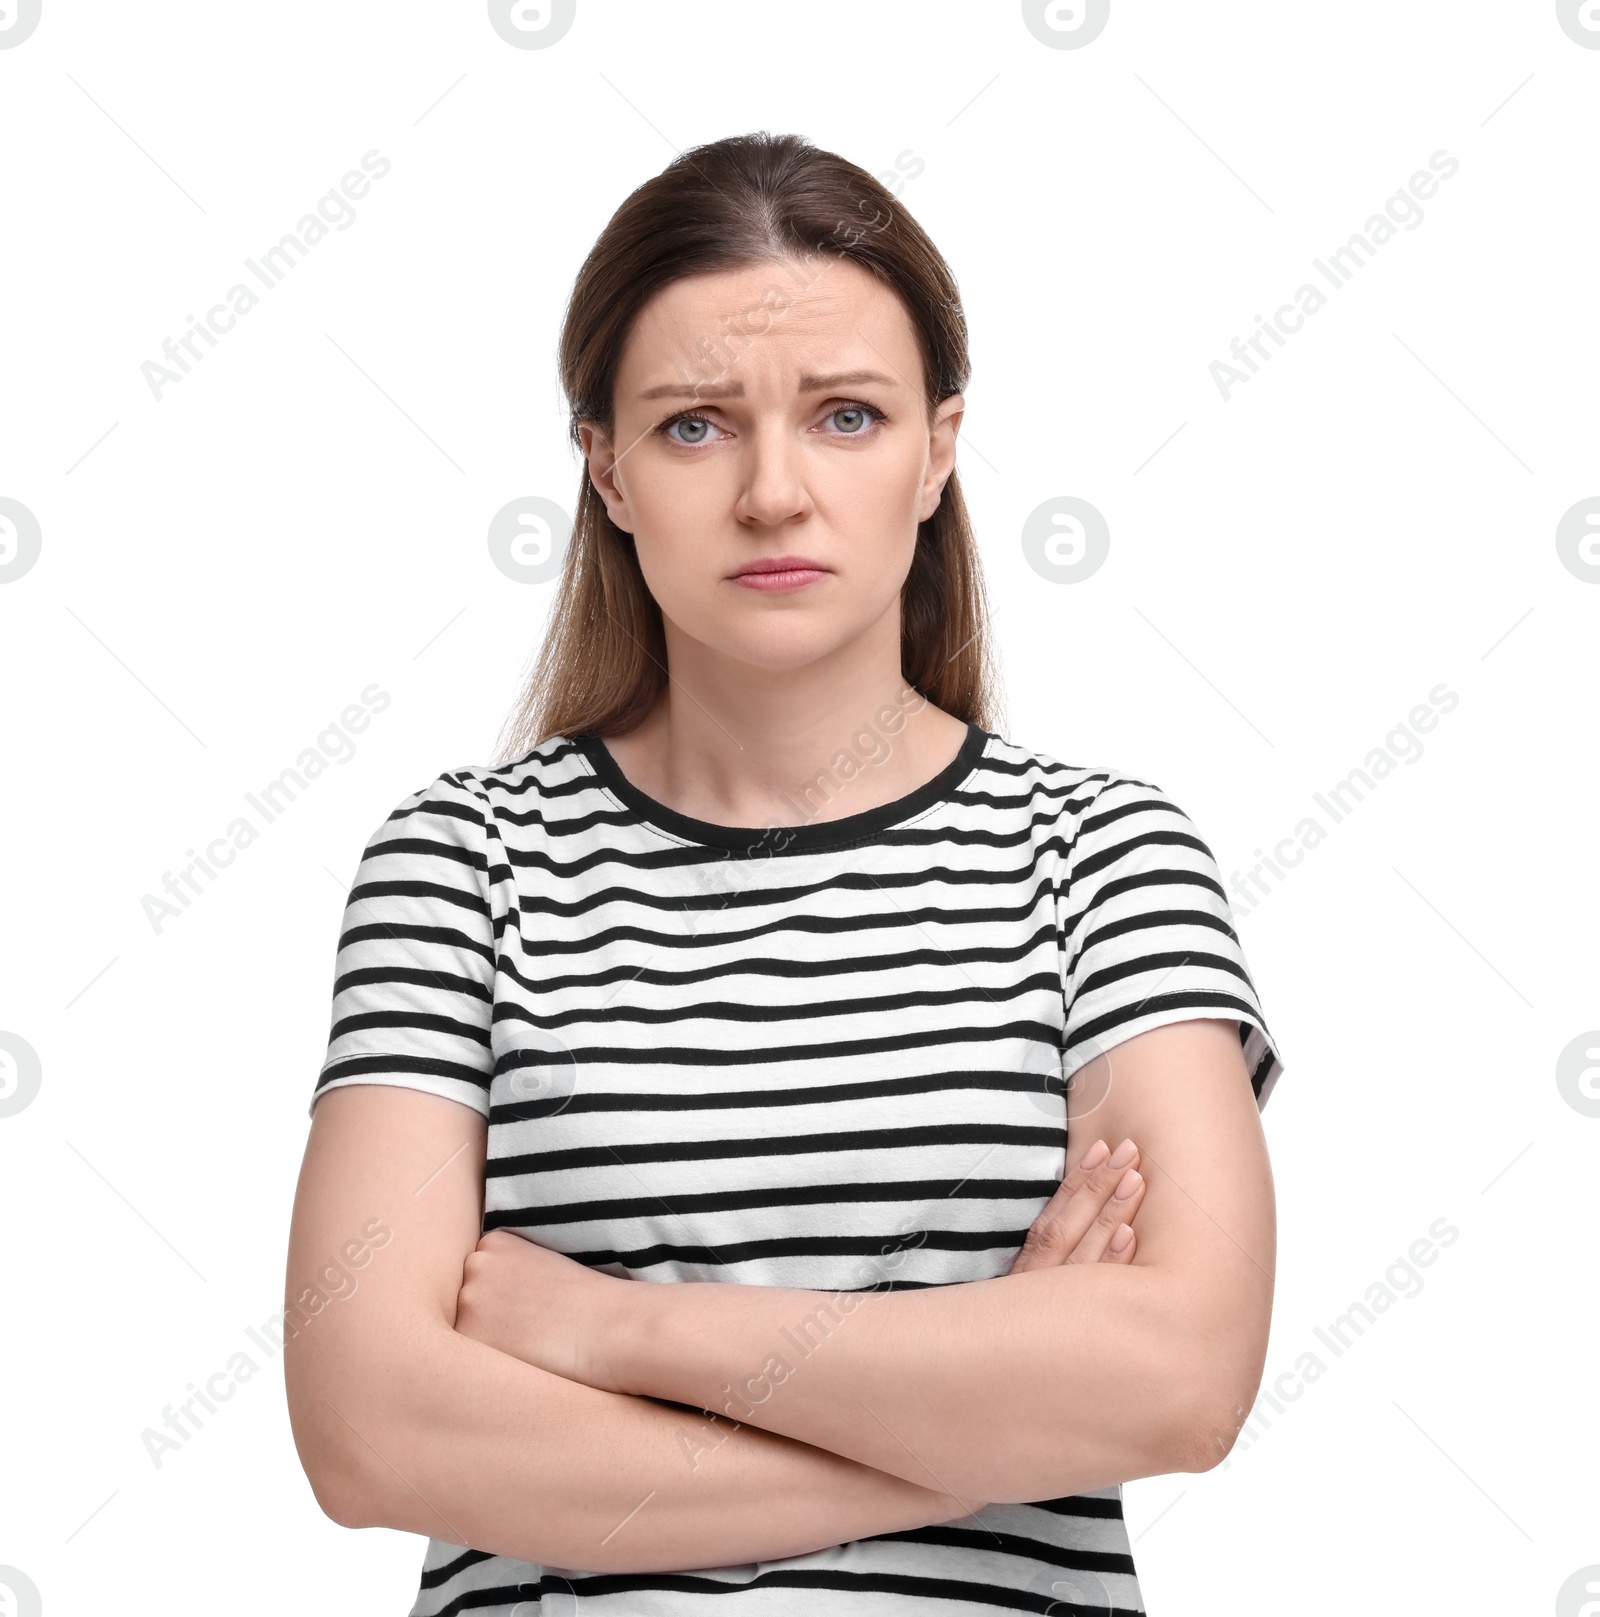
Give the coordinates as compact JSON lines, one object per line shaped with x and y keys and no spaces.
{"x":773,"y":487}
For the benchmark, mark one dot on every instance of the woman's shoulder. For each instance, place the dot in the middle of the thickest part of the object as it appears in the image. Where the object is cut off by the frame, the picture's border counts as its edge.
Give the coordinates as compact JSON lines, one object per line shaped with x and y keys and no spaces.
{"x":557,"y":757}
{"x":1071,"y":786}
{"x":552,"y":771}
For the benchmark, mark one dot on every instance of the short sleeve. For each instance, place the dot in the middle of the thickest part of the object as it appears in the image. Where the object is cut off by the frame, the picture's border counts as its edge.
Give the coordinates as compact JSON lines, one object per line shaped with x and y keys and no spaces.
{"x":1148,"y":935}
{"x":413,"y":992}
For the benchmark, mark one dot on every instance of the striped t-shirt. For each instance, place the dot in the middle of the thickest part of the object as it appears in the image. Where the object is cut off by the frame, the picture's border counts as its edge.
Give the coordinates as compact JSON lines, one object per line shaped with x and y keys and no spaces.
{"x":775,"y":1057}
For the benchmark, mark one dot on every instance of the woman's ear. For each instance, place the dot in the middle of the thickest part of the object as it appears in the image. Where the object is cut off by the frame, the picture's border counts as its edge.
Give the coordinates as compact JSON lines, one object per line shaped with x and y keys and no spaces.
{"x":941,"y":452}
{"x":599,"y":453}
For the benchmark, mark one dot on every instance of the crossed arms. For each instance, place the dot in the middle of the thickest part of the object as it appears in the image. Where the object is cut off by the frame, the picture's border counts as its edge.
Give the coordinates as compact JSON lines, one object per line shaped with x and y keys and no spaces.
{"x":911,"y":1407}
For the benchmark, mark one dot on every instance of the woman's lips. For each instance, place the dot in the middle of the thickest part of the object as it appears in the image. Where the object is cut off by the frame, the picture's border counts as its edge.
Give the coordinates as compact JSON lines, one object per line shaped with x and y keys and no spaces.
{"x":790,"y":578}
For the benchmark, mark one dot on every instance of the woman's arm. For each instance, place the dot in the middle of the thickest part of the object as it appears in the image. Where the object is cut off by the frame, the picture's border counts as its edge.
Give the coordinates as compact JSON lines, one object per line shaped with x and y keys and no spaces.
{"x":402,"y":1422}
{"x":1028,"y":1386}
{"x":488,"y":1451}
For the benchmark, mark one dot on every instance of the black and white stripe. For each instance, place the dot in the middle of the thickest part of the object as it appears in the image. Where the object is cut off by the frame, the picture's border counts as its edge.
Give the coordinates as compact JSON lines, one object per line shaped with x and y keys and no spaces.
{"x":831,"y":1056}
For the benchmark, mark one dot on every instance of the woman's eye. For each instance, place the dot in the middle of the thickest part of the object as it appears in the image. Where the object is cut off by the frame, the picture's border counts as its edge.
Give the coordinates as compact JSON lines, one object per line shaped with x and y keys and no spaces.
{"x":861,"y":419}
{"x":696,"y":427}
{"x":851,"y":421}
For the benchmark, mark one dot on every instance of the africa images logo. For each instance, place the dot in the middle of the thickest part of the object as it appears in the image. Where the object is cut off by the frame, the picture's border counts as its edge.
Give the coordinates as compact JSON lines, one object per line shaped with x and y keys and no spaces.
{"x":1066,"y":25}
{"x":531,"y":25}
{"x":1580,"y":21}
{"x":18,"y":19}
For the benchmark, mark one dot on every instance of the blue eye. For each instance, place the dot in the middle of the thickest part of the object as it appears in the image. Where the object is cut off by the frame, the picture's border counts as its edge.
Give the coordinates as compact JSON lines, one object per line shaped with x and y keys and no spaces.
{"x":687,"y":421}
{"x":869,"y":417}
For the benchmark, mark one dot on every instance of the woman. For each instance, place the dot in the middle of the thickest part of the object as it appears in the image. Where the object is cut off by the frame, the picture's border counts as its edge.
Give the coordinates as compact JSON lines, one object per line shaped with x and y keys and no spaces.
{"x":757,"y":972}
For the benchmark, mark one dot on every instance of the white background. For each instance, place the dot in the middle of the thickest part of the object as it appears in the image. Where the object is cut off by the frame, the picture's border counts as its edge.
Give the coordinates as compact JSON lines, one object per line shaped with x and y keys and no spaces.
{"x":1291,"y":572}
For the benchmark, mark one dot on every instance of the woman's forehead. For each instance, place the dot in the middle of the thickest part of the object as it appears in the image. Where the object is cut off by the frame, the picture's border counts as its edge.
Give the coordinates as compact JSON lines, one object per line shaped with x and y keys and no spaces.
{"x":755,"y":322}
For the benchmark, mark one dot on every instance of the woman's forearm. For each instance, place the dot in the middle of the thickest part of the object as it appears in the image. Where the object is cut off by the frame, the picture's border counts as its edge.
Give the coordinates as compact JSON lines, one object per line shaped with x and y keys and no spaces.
{"x":1025,"y":1387}
{"x":469,"y":1445}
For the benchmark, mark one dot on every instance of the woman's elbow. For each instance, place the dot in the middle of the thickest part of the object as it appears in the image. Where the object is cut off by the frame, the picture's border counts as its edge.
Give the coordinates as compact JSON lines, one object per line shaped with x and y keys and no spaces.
{"x":1216,"y":1418}
{"x":326,"y":1443}
{"x":337,"y":1483}
{"x":338,"y":1487}
{"x":342,"y":1499}
{"x":1224,"y":1359}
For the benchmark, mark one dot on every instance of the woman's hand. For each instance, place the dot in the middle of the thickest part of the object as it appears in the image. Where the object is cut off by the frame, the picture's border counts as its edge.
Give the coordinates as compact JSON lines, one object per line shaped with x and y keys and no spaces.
{"x":540,"y":1306}
{"x":1086,"y":1217}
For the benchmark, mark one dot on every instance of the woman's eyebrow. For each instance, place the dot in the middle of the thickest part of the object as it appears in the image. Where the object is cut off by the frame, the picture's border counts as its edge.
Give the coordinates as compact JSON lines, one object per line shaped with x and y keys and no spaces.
{"x":735,"y":390}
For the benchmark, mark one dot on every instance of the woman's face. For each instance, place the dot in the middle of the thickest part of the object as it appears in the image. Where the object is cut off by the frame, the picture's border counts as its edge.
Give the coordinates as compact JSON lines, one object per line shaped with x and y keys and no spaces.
{"x":770,"y":411}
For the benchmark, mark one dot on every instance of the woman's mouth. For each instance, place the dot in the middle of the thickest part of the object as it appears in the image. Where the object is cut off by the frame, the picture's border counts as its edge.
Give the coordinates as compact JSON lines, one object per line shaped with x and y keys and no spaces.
{"x":780,"y":573}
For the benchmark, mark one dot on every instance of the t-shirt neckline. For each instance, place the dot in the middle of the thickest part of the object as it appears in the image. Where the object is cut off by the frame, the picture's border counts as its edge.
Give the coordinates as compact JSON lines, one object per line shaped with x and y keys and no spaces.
{"x":768,"y":840}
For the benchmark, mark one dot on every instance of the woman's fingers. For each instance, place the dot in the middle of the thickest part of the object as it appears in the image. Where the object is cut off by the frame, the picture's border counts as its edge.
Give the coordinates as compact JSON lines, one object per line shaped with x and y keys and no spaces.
{"x":1077,"y":1223}
{"x":1124,"y":1254}
{"x":1117,"y":1213}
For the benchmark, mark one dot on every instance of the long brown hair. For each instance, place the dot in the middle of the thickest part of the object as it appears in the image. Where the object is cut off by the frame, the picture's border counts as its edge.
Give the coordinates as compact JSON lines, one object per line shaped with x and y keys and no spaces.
{"x":749,"y":199}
